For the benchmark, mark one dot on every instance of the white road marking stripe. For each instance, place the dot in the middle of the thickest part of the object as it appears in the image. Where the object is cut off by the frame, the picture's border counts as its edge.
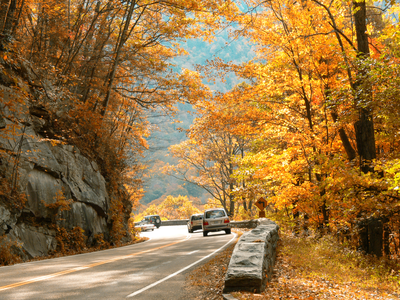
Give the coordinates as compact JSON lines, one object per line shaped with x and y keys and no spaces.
{"x":178,"y":272}
{"x":192,"y":252}
{"x":80,"y":268}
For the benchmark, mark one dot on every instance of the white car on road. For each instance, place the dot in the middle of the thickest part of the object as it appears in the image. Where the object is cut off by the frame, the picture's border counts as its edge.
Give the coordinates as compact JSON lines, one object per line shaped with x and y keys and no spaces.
{"x":145,"y":225}
{"x":195,"y":222}
{"x":216,"y":219}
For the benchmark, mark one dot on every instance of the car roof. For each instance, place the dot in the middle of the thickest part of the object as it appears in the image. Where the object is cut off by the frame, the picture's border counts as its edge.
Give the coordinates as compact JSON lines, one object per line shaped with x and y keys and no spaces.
{"x":219,"y":208}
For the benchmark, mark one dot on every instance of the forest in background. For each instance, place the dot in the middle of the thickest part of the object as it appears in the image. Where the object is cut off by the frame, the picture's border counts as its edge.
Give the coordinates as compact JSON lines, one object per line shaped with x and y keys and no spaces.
{"x":157,"y":185}
{"x":313,"y":127}
{"x":101,"y":68}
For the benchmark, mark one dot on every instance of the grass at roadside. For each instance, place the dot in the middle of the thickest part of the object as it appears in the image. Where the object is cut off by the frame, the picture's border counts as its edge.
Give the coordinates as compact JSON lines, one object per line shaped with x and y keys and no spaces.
{"x":309,"y":268}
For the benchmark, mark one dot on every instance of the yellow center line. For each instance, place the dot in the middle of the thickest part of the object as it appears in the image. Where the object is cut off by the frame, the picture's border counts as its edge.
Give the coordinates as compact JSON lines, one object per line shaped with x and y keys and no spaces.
{"x":41,"y":278}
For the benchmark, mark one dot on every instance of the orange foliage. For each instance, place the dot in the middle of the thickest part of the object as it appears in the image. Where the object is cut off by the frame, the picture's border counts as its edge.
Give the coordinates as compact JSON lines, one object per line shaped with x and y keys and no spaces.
{"x":172,"y":208}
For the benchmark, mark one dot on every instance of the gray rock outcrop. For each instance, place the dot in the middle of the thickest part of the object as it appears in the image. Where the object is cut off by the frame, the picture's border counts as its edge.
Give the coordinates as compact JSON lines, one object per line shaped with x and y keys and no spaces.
{"x":46,"y":170}
{"x":253,"y":259}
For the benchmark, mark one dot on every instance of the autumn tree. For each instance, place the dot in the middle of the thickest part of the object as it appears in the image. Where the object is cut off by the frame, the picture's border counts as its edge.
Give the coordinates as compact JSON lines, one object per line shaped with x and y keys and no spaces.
{"x":310,"y":98}
{"x":207,"y":158}
{"x":97,"y":67}
{"x":172,"y":208}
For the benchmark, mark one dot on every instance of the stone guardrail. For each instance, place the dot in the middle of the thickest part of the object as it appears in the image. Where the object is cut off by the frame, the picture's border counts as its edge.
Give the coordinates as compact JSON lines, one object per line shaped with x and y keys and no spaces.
{"x":253,"y":258}
{"x":174,"y":222}
{"x":245,"y":224}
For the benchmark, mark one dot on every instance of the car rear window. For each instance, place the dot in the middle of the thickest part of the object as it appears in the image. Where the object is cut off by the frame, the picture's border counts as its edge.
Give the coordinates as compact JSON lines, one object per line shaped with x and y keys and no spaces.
{"x":197,"y":217}
{"x":215,"y":214}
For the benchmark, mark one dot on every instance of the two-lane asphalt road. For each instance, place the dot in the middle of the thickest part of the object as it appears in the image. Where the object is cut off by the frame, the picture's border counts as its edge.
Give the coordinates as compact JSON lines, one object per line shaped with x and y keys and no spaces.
{"x":154,"y":269}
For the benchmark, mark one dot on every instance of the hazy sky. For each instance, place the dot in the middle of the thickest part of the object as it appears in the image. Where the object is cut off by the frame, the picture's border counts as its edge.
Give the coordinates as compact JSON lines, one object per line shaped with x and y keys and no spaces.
{"x":224,"y":47}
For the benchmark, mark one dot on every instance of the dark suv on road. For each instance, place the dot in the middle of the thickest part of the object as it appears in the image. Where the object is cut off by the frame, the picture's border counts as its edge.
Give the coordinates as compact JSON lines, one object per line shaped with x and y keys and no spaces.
{"x":153,"y":219}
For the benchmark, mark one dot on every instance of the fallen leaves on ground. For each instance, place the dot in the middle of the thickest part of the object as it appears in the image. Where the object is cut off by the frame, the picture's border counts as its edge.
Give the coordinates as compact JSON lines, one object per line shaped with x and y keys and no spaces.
{"x":207,"y":281}
{"x":288,"y":284}
{"x":290,"y":281}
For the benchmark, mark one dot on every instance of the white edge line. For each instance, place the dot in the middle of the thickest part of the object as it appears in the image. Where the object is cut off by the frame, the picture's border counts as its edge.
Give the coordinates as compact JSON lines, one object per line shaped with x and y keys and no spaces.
{"x":180,"y":271}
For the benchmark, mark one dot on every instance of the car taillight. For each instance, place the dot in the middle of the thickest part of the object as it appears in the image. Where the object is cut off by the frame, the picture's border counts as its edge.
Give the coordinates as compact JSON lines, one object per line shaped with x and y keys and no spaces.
{"x":191,"y":222}
{"x":205,"y":223}
{"x":226,"y":221}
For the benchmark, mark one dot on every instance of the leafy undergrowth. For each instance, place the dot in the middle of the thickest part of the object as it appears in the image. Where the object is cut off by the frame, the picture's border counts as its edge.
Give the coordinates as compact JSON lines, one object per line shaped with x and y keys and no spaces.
{"x":307,"y":268}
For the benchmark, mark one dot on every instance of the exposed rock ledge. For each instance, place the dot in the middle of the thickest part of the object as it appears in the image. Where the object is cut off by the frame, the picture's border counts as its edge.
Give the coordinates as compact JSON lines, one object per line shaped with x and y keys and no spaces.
{"x":253,"y":259}
{"x":45,"y":170}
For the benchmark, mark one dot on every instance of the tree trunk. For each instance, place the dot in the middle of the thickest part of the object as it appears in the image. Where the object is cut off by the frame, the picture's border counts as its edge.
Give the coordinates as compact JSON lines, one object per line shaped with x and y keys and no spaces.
{"x":364,"y":127}
{"x":7,"y":18}
{"x":376,"y":233}
{"x":371,"y":231}
{"x":123,"y":38}
{"x":351,"y":153}
{"x":363,"y":236}
{"x":365,"y":139}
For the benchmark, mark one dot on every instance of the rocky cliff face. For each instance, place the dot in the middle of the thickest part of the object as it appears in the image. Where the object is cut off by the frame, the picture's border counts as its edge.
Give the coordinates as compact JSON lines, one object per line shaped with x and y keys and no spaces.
{"x":63,"y":188}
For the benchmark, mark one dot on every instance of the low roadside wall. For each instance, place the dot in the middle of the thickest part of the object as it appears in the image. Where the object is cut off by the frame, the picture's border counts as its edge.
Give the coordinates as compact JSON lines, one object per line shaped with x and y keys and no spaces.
{"x":174,"y":222}
{"x":253,"y":258}
{"x":234,"y":224}
{"x":245,"y":224}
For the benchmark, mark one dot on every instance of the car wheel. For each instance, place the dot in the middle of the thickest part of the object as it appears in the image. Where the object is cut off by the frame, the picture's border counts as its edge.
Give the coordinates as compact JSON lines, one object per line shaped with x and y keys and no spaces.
{"x":205,"y":233}
{"x":228,"y":231}
{"x":190,"y":231}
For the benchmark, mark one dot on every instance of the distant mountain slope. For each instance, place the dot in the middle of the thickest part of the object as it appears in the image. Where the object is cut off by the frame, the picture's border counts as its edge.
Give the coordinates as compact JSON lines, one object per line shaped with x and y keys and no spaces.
{"x":159,"y":185}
